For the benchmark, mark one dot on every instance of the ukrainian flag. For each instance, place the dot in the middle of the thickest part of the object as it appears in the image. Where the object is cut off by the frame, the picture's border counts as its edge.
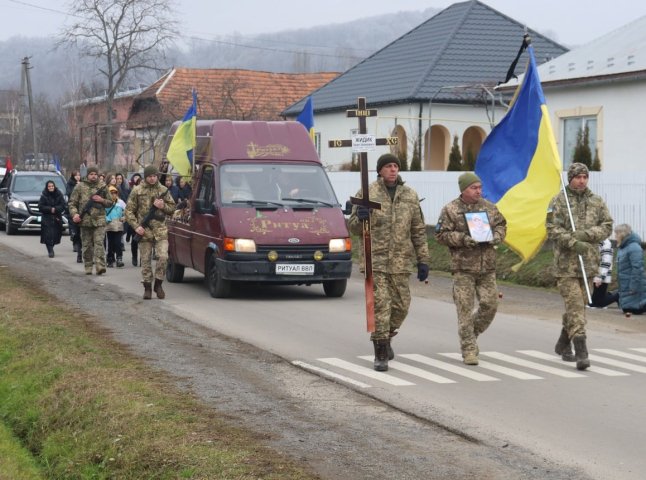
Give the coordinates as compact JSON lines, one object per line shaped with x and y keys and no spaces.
{"x":180,"y":150}
{"x":306,"y":117}
{"x":520,"y":167}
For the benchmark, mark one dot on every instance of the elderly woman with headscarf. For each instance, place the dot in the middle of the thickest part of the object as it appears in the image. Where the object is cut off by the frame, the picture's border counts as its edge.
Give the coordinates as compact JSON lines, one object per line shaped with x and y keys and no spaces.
{"x":630,"y":270}
{"x":52,"y":206}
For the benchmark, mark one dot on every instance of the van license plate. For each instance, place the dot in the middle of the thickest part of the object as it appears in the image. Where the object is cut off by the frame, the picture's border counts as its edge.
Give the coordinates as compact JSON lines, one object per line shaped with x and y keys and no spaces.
{"x":294,"y":269}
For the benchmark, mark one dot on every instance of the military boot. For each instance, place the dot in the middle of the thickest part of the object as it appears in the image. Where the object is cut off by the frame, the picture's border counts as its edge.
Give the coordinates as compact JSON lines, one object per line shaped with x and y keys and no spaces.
{"x":581,"y":352}
{"x":563,"y":347}
{"x":79,"y":257}
{"x":159,"y":290}
{"x":391,"y":352}
{"x":381,"y":355}
{"x":148,"y":291}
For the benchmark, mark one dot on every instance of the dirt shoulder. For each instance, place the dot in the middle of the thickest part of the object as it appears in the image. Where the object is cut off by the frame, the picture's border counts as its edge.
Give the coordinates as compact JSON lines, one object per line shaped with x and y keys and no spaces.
{"x":329,"y":428}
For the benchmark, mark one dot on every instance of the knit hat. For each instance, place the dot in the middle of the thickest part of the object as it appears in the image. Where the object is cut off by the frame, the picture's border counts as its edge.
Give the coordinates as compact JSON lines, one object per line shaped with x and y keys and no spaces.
{"x":577,"y":169}
{"x":466,"y":179}
{"x":92,"y":169}
{"x":150,"y":170}
{"x":387,"y":158}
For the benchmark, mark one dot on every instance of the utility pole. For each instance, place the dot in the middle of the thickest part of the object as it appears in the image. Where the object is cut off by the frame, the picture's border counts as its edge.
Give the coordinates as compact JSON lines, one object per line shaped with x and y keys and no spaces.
{"x":26,"y":89}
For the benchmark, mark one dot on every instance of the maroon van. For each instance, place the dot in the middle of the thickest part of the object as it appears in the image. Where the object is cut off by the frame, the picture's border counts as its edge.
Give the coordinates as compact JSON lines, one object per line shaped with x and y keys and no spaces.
{"x":262,"y":210}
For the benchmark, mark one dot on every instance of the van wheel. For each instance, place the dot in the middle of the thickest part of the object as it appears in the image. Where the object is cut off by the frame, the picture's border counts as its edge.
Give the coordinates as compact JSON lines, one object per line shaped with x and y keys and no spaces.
{"x":218,"y":287}
{"x":335,"y":288}
{"x":174,"y":272}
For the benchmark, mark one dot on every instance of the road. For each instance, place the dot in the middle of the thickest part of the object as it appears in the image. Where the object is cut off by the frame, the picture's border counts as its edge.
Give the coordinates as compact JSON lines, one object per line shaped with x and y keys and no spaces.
{"x":520,"y":395}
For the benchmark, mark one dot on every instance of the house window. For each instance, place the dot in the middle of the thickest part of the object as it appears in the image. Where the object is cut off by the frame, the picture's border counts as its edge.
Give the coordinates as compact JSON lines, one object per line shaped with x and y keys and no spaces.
{"x":571,"y":128}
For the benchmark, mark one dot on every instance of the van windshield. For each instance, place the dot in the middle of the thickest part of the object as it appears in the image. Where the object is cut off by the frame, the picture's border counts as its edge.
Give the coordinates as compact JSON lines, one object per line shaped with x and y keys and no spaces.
{"x":276,"y":183}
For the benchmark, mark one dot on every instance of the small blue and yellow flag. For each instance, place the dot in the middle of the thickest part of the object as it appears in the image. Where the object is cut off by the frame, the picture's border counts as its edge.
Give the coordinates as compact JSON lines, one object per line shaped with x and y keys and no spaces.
{"x":306,"y":117}
{"x":520,"y":167}
{"x":180,"y":150}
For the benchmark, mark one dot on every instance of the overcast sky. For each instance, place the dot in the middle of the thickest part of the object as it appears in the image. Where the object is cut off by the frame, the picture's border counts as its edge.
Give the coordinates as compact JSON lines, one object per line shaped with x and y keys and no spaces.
{"x":571,"y":22}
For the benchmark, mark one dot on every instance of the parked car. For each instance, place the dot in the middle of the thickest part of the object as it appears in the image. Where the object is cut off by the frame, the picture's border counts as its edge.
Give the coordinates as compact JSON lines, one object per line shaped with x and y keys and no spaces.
{"x":19,"y":195}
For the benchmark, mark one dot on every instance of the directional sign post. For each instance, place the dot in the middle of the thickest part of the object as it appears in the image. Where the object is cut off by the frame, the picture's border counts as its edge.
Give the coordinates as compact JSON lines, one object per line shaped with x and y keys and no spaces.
{"x":362,"y":144}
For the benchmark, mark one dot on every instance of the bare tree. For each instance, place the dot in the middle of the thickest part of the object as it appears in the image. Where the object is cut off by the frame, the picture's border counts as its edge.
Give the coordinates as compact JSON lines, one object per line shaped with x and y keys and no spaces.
{"x":123,"y":36}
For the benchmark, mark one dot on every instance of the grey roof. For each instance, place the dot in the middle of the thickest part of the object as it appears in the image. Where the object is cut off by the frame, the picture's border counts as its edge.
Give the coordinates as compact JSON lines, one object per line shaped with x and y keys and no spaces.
{"x":468,"y":43}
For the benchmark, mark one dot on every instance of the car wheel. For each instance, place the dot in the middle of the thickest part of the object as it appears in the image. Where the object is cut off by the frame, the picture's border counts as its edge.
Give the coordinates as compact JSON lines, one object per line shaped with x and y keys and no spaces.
{"x":218,"y":287}
{"x":174,"y":272}
{"x":335,"y":288}
{"x":11,"y":230}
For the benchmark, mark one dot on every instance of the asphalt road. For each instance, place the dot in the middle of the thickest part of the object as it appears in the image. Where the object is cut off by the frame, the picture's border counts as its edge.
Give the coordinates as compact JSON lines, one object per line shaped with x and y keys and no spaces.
{"x":521,"y":396}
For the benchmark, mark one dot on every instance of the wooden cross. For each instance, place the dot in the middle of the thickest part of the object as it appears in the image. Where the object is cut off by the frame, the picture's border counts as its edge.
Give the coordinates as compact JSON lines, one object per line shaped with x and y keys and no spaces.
{"x":361,"y":112}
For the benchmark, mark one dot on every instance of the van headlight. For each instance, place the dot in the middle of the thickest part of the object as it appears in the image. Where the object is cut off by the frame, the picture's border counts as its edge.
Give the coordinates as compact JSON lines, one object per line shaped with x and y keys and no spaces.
{"x":244,"y":245}
{"x":337,"y":245}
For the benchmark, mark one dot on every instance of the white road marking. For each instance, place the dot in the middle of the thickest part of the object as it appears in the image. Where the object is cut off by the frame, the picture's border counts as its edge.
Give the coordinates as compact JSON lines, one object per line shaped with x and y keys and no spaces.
{"x":331,"y":374}
{"x":418,"y":372}
{"x":617,"y":353}
{"x":449,"y":367}
{"x":536,"y":366}
{"x":367,"y":372}
{"x":557,"y":359}
{"x":498,"y":368}
{"x":643,"y":350}
{"x":618,"y":363}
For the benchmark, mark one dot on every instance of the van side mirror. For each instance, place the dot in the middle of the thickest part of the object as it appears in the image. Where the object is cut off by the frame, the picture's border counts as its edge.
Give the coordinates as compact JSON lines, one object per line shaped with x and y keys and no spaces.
{"x":348,"y":208}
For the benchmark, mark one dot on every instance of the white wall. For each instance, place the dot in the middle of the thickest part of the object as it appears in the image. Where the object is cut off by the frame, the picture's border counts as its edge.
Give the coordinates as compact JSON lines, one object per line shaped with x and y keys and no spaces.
{"x":624,"y":193}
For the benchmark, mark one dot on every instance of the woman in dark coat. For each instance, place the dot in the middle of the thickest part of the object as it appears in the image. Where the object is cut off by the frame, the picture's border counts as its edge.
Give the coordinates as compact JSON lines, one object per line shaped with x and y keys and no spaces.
{"x":630,"y":270}
{"x":52,"y":207}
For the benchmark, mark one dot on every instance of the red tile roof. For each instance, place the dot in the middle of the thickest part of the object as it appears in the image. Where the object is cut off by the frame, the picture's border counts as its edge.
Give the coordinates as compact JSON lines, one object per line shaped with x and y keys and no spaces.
{"x":223,"y":93}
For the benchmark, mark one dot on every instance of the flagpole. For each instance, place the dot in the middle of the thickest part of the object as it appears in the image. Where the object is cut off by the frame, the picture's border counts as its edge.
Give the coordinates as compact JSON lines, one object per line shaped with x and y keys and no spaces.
{"x":581,"y":264}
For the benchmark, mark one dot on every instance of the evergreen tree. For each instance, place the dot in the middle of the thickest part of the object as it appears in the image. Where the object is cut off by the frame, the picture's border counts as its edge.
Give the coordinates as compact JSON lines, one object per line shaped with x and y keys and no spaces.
{"x":416,"y":162}
{"x":582,"y":152}
{"x":469,"y":161}
{"x":455,"y":157}
{"x":403,"y":160}
{"x":596,"y":163}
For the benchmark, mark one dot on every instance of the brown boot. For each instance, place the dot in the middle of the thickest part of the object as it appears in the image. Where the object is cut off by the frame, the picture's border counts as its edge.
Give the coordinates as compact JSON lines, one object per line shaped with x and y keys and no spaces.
{"x":148,"y":291}
{"x":159,"y":290}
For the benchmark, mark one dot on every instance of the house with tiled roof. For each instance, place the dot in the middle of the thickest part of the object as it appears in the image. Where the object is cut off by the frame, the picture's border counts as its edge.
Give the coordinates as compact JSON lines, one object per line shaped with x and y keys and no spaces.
{"x":232,"y":94}
{"x":601,"y":85}
{"x":434,"y":83}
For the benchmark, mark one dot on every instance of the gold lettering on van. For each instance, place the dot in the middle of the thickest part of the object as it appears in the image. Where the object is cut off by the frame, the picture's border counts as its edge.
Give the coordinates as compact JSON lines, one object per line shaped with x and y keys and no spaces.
{"x":272,"y":150}
{"x":314,"y":225}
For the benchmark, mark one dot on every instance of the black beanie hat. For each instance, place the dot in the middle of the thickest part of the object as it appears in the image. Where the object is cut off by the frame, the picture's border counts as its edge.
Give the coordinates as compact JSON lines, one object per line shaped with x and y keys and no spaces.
{"x":387,"y":158}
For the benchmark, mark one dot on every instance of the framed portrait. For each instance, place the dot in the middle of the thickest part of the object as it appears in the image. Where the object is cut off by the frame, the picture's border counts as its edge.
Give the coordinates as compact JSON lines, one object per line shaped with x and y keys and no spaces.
{"x":479,"y":226}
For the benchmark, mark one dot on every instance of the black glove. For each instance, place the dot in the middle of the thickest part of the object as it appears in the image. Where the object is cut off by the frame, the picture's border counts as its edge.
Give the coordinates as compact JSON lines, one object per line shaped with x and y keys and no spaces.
{"x":363,"y":213}
{"x":422,"y":272}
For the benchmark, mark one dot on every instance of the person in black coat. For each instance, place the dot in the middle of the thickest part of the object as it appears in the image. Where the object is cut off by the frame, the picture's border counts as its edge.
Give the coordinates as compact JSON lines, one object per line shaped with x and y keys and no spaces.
{"x":52,"y":206}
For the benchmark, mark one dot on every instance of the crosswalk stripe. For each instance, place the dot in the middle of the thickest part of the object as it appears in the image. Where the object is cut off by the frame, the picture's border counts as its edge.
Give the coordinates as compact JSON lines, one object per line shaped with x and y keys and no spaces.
{"x":329,"y":373}
{"x":592,"y":368}
{"x":367,"y":372}
{"x":617,"y":353}
{"x":480,"y":377}
{"x":498,"y":368}
{"x":618,"y":363}
{"x":418,"y":372}
{"x":643,"y":350}
{"x":536,"y":366}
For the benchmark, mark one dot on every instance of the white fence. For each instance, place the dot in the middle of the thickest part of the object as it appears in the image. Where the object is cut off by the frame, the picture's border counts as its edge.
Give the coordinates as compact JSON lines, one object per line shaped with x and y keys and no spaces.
{"x":624,"y":192}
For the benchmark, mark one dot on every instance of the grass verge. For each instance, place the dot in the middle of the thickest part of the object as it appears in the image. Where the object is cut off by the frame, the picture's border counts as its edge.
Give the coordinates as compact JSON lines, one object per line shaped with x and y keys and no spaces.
{"x":76,"y":405}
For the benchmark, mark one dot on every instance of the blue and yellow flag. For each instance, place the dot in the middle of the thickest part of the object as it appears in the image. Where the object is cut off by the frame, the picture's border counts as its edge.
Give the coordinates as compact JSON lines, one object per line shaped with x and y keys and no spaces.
{"x":520,"y":167}
{"x":180,"y":150}
{"x":306,"y":117}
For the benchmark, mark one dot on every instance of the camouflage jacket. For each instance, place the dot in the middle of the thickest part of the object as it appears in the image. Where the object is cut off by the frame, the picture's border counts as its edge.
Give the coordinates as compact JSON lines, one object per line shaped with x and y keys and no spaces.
{"x":79,"y":199}
{"x":139,"y":202}
{"x":398,"y":230}
{"x":452,"y":229}
{"x":591,"y":215}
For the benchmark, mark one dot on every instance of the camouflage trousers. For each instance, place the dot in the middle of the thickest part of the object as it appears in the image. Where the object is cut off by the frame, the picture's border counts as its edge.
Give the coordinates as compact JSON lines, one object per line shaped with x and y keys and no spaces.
{"x":146,"y":255}
{"x":466,"y":288}
{"x":92,"y":247}
{"x":575,"y":298}
{"x":392,"y":299}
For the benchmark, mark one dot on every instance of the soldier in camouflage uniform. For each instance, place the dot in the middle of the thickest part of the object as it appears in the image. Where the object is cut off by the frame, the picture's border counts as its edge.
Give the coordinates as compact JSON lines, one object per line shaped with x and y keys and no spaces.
{"x":473,"y":263}
{"x":398,"y":243}
{"x":148,"y":193}
{"x":592,"y":224}
{"x":92,"y":222}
